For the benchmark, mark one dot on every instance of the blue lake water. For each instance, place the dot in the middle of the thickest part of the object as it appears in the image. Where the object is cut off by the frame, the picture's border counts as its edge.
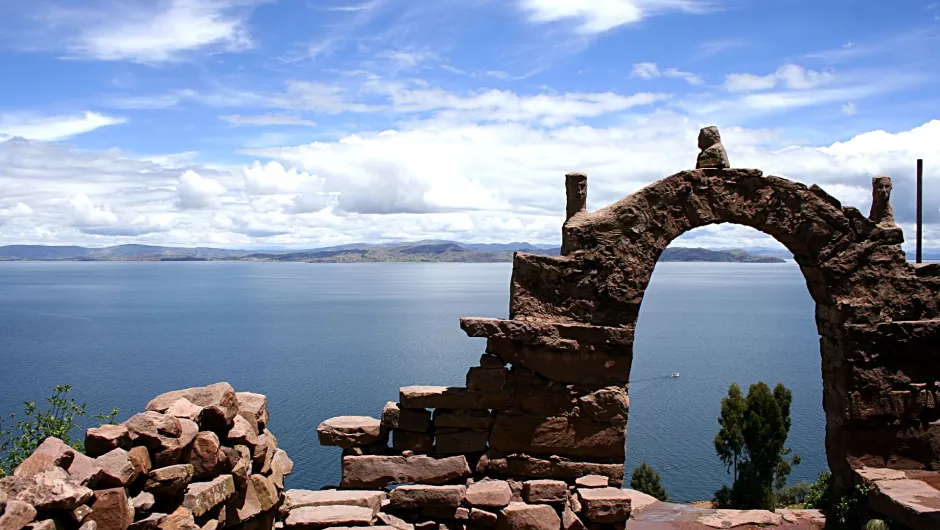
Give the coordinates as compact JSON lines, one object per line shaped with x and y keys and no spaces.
{"x":330,"y":339}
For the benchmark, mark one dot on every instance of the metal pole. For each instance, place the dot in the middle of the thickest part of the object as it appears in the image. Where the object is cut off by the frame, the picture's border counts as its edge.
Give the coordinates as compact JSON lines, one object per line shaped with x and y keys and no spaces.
{"x":920,"y":210}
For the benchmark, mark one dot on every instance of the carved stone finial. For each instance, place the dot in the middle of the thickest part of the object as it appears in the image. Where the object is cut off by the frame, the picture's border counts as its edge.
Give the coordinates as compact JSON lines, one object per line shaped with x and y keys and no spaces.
{"x":576,"y":191}
{"x":881,"y":212}
{"x":713,"y":153}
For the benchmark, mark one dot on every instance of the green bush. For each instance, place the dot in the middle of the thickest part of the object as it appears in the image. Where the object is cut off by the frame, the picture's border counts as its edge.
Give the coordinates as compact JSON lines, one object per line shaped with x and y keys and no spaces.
{"x":793,"y":495}
{"x":647,"y":481}
{"x":819,"y":496}
{"x":722,"y":498}
{"x":58,"y":419}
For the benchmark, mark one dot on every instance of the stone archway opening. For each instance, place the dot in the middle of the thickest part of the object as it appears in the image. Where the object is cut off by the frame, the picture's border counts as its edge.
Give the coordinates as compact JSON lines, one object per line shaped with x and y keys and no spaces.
{"x":716,"y":323}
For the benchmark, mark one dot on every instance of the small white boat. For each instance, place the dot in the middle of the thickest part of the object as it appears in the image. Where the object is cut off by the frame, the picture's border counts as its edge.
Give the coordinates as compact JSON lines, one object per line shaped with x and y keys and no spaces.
{"x":675,"y":374}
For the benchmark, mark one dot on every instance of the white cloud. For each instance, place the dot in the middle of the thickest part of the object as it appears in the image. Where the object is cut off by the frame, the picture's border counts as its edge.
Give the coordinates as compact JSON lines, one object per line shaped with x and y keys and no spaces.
{"x":790,"y":76}
{"x":86,"y":214}
{"x":266,"y":119}
{"x":652,"y":71}
{"x":598,"y":16}
{"x":16,"y":211}
{"x":154,"y":32}
{"x":849,"y":109}
{"x":199,"y":193}
{"x":273,"y":179}
{"x":53,"y":127}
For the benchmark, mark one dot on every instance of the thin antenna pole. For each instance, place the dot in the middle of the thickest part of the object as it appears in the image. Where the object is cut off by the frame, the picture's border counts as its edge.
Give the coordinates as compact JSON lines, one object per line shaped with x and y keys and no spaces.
{"x":920,"y":210}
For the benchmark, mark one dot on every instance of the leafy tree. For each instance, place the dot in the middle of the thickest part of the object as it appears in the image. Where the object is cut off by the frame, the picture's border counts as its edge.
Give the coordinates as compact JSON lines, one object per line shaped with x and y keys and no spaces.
{"x":58,"y":419}
{"x":646,"y":480}
{"x":729,"y":442}
{"x":761,"y":465}
{"x":819,"y":496}
{"x":722,"y":498}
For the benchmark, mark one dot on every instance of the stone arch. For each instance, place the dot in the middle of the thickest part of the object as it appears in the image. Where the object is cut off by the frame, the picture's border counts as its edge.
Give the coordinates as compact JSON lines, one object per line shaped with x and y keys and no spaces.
{"x":875,"y":312}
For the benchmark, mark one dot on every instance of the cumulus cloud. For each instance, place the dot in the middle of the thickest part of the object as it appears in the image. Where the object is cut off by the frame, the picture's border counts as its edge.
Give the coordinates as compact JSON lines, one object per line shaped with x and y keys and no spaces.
{"x":603,"y":15}
{"x":789,"y":76}
{"x":53,"y":127}
{"x":273,"y":179}
{"x":199,"y":193}
{"x":652,"y":71}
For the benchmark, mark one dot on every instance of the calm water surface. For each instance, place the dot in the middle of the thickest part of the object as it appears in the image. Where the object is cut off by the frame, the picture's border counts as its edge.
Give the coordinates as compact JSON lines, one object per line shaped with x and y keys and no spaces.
{"x":331,"y":339}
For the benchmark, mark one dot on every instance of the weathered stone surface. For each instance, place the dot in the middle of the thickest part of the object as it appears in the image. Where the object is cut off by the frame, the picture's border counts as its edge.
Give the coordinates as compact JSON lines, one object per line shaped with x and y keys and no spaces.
{"x":482,"y":517}
{"x":580,"y":364}
{"x":708,"y":136}
{"x":80,"y":513}
{"x":462,"y":514}
{"x":140,"y":459}
{"x":184,"y":408}
{"x":570,"y":520}
{"x":16,"y":514}
{"x":100,"y":440}
{"x":487,"y":379}
{"x":544,"y":491}
{"x":254,"y":407}
{"x":491,"y":361}
{"x":390,"y":415}
{"x":281,"y":466}
{"x":204,"y":455}
{"x":607,"y":405}
{"x":243,"y":432}
{"x":557,"y":436}
{"x":201,"y":497}
{"x":521,"y":516}
{"x":422,"y":496}
{"x":44,"y":524}
{"x":733,"y":518}
{"x":117,"y":470}
{"x":316,"y":517}
{"x":143,"y":502}
{"x":489,"y":493}
{"x":415,"y":442}
{"x":52,"y":452}
{"x":414,"y":420}
{"x":527,"y":466}
{"x":188,"y":432}
{"x":372,"y":471}
{"x":420,"y":397}
{"x":151,"y":428}
{"x":151,"y":522}
{"x":463,"y":419}
{"x":605,"y":505}
{"x":180,"y":519}
{"x":110,"y":510}
{"x":592,"y":481}
{"x":457,"y":441}
{"x":639,"y":500}
{"x":713,"y":157}
{"x":85,"y":470}
{"x":238,"y":463}
{"x":219,"y":403}
{"x":391,"y":521}
{"x":170,"y":480}
{"x":259,"y":495}
{"x":350,"y":431}
{"x":557,"y":335}
{"x":88,"y":525}
{"x":364,"y":498}
{"x":913,"y":503}
{"x":51,"y":489}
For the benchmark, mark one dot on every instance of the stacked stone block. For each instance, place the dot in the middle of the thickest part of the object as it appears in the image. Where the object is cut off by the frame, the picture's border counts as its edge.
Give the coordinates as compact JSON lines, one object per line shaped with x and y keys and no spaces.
{"x":196,"y":459}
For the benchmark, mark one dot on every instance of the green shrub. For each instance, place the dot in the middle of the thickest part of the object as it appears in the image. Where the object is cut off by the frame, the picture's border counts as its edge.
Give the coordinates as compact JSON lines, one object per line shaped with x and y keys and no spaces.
{"x":722,"y":498}
{"x":876,"y":524}
{"x":819,"y":496}
{"x":793,"y":495}
{"x":58,"y":419}
{"x":647,"y":481}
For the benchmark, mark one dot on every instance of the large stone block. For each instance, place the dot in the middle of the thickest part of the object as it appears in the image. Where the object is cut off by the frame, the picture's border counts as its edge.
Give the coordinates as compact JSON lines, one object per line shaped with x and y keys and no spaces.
{"x":117,"y":469}
{"x":51,"y":489}
{"x":494,"y":463}
{"x":489,"y":493}
{"x":52,"y":452}
{"x":451,"y":441}
{"x":588,"y":364}
{"x":605,"y":505}
{"x":364,"y":498}
{"x":463,"y":419}
{"x":521,"y":516}
{"x":110,"y":510}
{"x":254,"y":407}
{"x":317,"y":517}
{"x":423,"y":496}
{"x":412,"y":441}
{"x":544,"y":491}
{"x":170,"y":480}
{"x":557,"y":436}
{"x":100,"y":440}
{"x":350,"y":431}
{"x":487,"y":379}
{"x":14,"y":515}
{"x":200,"y":497}
{"x":433,"y":397}
{"x":219,"y":403}
{"x":374,"y":471}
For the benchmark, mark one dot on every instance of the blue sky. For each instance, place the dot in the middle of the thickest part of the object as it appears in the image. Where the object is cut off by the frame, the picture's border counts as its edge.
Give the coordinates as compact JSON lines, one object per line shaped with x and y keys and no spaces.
{"x":292,"y":123}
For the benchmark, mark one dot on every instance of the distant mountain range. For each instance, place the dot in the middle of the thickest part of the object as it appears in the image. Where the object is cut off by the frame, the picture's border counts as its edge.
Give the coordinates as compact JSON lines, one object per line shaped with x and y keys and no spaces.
{"x":419,"y":251}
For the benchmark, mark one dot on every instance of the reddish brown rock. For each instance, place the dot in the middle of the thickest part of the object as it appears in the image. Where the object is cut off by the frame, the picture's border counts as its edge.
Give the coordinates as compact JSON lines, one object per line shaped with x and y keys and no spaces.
{"x":521,"y":516}
{"x":151,"y":522}
{"x":557,"y":436}
{"x":527,"y":466}
{"x":607,"y":405}
{"x":489,"y":493}
{"x":218,"y":401}
{"x":259,"y":495}
{"x":714,"y":156}
{"x":372,"y":471}
{"x":316,"y":517}
{"x":912,"y":503}
{"x":243,"y":432}
{"x":487,"y":379}
{"x":350,"y":431}
{"x":412,"y":441}
{"x":185,"y":409}
{"x":117,"y":470}
{"x":80,"y":513}
{"x":238,"y":463}
{"x":281,"y":466}
{"x":544,"y":491}
{"x":143,"y":502}
{"x":491,"y":361}
{"x":414,"y":420}
{"x":422,"y":496}
{"x":188,"y":432}
{"x":458,"y":441}
{"x":263,"y":454}
{"x":434,"y":397}
{"x":390,"y":414}
{"x":16,"y":514}
{"x":200,"y":497}
{"x":363,"y":498}
{"x":391,"y":521}
{"x":482,"y":518}
{"x":605,"y":505}
{"x":180,"y":519}
{"x":150,"y":428}
{"x":570,"y":520}
{"x":170,"y":480}
{"x":140,"y":459}
{"x":100,"y":440}
{"x":85,"y":470}
{"x":254,"y":407}
{"x":110,"y":510}
{"x":463,"y":419}
{"x":204,"y":455}
{"x":592,"y":481}
{"x":51,"y":489}
{"x":52,"y":452}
